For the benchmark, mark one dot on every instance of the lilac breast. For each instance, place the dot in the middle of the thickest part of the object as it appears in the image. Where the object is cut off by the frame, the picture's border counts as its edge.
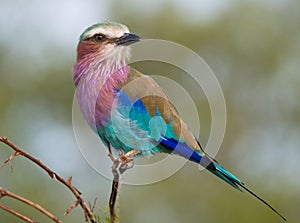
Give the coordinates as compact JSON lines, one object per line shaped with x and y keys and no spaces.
{"x":96,"y":93}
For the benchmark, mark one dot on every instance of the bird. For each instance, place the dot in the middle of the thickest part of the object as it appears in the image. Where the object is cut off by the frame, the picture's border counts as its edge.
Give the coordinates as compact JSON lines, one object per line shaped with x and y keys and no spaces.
{"x":128,"y":109}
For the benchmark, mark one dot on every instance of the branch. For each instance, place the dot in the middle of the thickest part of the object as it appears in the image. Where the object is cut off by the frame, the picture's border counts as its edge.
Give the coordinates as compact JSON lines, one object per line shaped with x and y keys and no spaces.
{"x":119,"y":167}
{"x":4,"y":207}
{"x":4,"y":193}
{"x":89,"y":216}
{"x":114,"y":190}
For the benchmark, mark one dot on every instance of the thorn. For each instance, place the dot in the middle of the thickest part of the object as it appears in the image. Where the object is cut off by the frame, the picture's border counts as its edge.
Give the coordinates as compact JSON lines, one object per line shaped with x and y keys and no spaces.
{"x":69,"y":180}
{"x":4,"y":139}
{"x":53,"y":175}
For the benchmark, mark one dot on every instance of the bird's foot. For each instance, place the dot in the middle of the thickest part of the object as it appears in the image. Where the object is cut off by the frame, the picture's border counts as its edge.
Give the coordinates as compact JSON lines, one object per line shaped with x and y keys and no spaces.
{"x":127,"y":157}
{"x":125,"y":161}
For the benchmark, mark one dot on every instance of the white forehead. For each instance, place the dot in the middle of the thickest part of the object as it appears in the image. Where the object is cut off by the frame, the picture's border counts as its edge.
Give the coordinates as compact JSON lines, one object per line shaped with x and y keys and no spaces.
{"x":110,"y":30}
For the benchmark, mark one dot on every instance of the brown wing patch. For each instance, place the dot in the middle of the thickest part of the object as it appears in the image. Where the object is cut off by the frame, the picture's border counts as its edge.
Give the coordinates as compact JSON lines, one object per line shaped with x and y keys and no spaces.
{"x":155,"y":99}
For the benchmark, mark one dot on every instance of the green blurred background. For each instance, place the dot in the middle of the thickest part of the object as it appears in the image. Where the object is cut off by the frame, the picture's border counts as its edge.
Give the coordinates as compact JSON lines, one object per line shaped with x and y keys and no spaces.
{"x":253,"y":48}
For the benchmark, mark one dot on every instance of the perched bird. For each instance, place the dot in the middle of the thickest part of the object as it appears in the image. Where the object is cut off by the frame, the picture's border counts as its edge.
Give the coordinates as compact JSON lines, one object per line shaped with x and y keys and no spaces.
{"x":129,"y":110}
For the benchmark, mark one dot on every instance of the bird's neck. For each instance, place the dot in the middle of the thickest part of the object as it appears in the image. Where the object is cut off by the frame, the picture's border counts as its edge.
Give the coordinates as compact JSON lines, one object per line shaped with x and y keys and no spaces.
{"x":93,"y":67}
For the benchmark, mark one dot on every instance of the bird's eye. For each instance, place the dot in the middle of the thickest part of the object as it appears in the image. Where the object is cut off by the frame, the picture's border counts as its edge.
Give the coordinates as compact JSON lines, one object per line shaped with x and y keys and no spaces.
{"x":99,"y":37}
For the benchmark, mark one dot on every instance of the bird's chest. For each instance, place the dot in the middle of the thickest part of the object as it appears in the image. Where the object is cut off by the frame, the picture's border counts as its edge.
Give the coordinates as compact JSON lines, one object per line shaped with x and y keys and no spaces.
{"x":98,"y":97}
{"x":106,"y":102}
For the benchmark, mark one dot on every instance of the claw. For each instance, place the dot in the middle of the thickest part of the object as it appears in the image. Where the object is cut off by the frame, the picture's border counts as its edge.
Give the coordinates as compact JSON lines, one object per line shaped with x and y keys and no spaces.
{"x":125,"y":161}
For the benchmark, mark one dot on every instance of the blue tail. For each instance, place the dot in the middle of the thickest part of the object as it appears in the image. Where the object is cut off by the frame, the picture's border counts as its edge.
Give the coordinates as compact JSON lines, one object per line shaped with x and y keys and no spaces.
{"x":182,"y":149}
{"x":220,"y":172}
{"x":232,"y":180}
{"x":226,"y":176}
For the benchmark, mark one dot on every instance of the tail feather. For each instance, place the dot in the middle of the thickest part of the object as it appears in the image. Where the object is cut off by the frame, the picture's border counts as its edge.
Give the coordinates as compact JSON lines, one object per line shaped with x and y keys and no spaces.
{"x":232,"y":180}
{"x":225,"y":175}
{"x":182,"y":149}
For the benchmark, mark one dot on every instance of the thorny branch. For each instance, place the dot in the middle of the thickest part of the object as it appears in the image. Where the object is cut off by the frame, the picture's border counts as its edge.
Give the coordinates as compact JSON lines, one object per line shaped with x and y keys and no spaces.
{"x":89,"y":216}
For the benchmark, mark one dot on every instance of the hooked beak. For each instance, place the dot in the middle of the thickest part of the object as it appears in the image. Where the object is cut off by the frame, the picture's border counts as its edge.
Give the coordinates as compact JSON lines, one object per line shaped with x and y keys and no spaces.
{"x":127,"y":39}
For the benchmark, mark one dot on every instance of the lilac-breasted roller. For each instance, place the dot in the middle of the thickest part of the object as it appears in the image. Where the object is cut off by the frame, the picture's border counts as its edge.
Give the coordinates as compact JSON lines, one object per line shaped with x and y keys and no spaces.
{"x":129,"y":110}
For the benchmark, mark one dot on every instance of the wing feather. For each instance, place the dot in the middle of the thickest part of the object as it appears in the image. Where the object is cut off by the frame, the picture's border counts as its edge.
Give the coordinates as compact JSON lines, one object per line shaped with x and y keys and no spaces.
{"x":145,"y":89}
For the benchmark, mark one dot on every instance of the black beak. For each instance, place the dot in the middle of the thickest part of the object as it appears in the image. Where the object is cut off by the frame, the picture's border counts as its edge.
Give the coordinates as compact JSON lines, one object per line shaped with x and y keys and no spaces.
{"x":127,"y":39}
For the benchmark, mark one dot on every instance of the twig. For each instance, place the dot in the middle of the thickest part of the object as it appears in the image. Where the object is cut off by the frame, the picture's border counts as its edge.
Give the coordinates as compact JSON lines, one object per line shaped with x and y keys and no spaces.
{"x":19,"y":215}
{"x":75,"y":204}
{"x":119,"y":167}
{"x":8,"y":160}
{"x":92,"y":207}
{"x":114,"y":187}
{"x":87,"y":212}
{"x":4,"y":193}
{"x":114,"y":191}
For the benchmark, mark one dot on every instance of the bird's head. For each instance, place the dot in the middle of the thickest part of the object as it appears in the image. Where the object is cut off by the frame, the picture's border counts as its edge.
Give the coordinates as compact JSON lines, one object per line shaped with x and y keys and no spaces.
{"x":105,"y":40}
